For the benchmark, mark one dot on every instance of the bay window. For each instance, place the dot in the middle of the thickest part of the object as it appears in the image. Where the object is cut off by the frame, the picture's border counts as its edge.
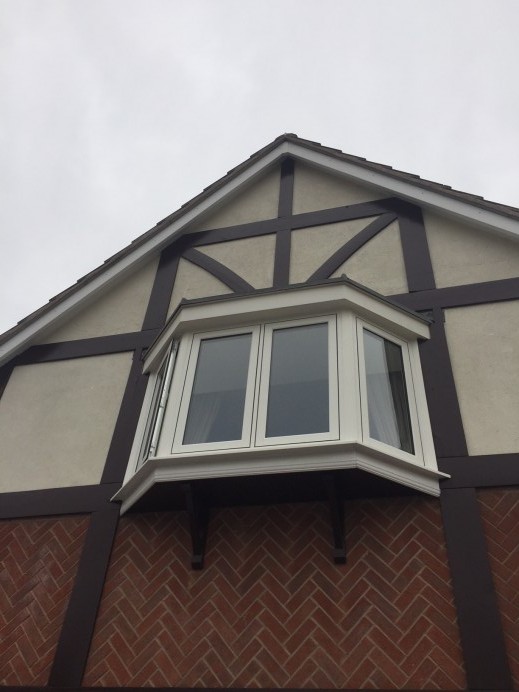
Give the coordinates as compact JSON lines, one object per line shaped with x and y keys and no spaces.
{"x":314,"y":377}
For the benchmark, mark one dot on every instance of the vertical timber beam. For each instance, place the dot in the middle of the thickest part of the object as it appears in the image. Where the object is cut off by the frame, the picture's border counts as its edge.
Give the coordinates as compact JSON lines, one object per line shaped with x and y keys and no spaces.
{"x":481,"y":631}
{"x":76,"y":634}
{"x":417,"y":259}
{"x":75,"y":638}
{"x":157,"y":311}
{"x":286,"y":188}
{"x":122,"y":439}
{"x":283,"y":237}
{"x":442,"y":398}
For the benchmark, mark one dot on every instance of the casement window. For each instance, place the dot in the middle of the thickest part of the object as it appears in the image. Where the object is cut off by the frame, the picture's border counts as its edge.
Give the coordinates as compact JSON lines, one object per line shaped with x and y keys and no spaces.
{"x":387,"y":416}
{"x":274,"y":383}
{"x":310,"y":378}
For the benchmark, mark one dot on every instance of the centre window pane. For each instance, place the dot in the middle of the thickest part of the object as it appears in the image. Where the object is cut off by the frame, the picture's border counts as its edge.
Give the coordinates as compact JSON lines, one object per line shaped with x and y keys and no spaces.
{"x":388,"y":406}
{"x":298,"y":398}
{"x":219,"y":388}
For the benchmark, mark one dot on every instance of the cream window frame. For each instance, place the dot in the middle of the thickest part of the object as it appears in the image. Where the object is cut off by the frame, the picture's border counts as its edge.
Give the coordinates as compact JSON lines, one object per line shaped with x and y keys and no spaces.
{"x":363,"y":326}
{"x":261,"y":440}
{"x":178,"y":446}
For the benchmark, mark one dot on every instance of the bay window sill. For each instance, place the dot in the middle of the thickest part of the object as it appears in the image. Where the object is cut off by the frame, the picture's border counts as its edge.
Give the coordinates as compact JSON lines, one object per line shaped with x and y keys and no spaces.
{"x":325,"y":456}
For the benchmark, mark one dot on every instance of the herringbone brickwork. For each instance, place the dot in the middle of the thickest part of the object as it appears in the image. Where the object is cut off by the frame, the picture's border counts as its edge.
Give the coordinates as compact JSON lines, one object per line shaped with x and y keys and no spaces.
{"x":270,"y":609}
{"x":500,"y":513}
{"x":38,"y":560}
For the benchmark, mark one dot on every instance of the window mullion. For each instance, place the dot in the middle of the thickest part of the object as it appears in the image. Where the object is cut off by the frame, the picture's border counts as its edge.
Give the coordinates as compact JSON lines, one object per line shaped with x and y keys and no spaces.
{"x":348,"y":377}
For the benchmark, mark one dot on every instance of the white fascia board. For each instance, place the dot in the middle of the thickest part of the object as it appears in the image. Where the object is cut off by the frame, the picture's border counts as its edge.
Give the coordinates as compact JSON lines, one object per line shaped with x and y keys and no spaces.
{"x":157,"y":242}
{"x":413,"y":193}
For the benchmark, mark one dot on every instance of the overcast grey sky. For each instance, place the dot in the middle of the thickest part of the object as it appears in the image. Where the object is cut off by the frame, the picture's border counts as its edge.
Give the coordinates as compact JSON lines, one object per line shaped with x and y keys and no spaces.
{"x":115,"y":112}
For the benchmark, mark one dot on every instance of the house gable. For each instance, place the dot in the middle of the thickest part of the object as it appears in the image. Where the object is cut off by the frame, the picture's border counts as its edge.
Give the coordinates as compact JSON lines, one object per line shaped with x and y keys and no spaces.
{"x":247,"y":255}
{"x":314,"y":161}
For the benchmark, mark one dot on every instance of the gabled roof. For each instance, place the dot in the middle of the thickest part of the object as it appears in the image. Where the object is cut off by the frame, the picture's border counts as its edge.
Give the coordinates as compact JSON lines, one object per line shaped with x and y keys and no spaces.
{"x":472,"y":208}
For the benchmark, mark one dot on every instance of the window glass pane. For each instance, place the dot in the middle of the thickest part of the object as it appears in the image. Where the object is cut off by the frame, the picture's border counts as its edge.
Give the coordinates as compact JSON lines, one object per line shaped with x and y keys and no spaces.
{"x":218,"y":396}
{"x":298,"y":397}
{"x":388,"y":407}
{"x":152,"y":417}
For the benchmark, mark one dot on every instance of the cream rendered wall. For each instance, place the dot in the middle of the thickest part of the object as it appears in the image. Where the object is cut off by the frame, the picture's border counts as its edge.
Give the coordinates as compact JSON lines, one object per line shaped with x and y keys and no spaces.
{"x":193,"y":282}
{"x":250,"y":258}
{"x":57,"y":421}
{"x":484,"y":348}
{"x":120,"y":310}
{"x":257,"y":202}
{"x":310,"y":247}
{"x":317,"y":189}
{"x":462,"y":255}
{"x":379,"y":264}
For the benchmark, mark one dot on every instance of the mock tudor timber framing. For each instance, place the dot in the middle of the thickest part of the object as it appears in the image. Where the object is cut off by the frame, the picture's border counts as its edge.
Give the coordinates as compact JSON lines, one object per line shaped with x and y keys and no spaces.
{"x":481,"y":634}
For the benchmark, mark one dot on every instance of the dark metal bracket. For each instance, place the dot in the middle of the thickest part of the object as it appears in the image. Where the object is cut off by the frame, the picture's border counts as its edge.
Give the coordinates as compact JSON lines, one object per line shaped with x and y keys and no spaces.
{"x":336,"y":505}
{"x":198,"y":522}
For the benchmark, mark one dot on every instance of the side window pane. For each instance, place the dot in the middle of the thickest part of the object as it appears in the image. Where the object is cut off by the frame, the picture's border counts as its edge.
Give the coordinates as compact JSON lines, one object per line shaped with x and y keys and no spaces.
{"x":218,"y":395}
{"x":388,"y":406}
{"x":298,"y":399}
{"x":152,"y":417}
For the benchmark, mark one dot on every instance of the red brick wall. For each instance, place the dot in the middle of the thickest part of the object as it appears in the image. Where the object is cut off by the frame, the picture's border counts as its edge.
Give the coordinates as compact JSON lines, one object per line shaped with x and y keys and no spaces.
{"x":271,"y":609}
{"x":500,"y":513}
{"x":38,"y":559}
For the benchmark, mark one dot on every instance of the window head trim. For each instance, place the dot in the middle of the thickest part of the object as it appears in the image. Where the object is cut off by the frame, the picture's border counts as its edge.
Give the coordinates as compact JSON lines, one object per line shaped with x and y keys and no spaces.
{"x":301,"y":301}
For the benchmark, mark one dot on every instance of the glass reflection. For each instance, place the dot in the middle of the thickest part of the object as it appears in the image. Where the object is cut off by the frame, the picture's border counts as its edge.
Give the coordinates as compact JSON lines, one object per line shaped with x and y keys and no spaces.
{"x":218,"y":396}
{"x":388,"y":406}
{"x":298,"y":399}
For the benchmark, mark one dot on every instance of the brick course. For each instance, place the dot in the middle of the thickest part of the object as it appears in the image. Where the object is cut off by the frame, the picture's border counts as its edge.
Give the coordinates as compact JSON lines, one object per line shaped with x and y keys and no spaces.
{"x":270,"y":609}
{"x":38,"y":560}
{"x":500,"y":514}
